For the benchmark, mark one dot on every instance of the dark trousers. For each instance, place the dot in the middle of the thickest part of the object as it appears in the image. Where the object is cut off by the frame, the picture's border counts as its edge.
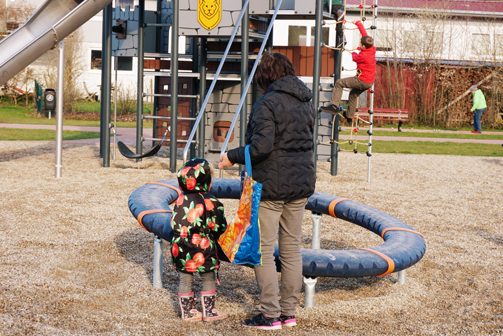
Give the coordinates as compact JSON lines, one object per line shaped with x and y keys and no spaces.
{"x":477,"y":126}
{"x":357,"y":87}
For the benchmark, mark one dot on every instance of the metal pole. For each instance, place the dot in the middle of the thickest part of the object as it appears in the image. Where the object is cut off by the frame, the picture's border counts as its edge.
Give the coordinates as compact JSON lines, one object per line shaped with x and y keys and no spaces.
{"x":194,"y":86}
{"x":371,"y":115}
{"x":202,"y":93}
{"x":156,"y":78}
{"x":115,"y":105}
{"x":316,"y":240}
{"x":59,"y":107}
{"x":310,"y":283}
{"x":107,"y":83}
{"x":334,"y":147}
{"x":245,"y":34}
{"x":402,"y":277}
{"x":157,"y":269}
{"x":262,"y":47}
{"x":102,"y":92}
{"x":139,"y":97}
{"x":174,"y":88}
{"x":317,"y":73}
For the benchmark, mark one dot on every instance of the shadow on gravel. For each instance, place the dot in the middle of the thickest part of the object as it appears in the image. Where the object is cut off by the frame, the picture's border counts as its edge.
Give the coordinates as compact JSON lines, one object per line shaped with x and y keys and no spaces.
{"x":494,"y":238}
{"x":137,"y":246}
{"x":238,"y":282}
{"x":498,"y":162}
{"x":46,"y":148}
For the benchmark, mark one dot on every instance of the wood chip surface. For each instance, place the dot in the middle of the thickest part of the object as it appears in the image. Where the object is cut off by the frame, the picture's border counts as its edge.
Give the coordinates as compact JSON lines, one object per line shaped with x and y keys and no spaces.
{"x":74,"y":261}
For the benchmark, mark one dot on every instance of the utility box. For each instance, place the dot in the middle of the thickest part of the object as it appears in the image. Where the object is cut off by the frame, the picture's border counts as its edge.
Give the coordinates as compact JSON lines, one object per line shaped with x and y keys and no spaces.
{"x":49,"y":99}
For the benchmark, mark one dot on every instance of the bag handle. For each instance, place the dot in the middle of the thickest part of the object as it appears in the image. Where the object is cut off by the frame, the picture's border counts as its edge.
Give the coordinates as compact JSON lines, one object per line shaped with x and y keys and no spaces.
{"x":248,"y":161}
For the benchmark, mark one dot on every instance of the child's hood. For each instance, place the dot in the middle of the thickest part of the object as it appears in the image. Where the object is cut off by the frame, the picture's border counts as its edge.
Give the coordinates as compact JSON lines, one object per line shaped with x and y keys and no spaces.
{"x":195,"y":176}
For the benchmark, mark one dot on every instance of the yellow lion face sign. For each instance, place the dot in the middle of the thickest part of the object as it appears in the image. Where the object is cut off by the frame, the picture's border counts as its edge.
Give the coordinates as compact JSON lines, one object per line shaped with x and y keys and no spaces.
{"x":209,"y":13}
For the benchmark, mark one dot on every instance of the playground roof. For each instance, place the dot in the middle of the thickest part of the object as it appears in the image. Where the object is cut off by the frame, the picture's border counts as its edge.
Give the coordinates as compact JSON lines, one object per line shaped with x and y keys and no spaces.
{"x":473,"y":8}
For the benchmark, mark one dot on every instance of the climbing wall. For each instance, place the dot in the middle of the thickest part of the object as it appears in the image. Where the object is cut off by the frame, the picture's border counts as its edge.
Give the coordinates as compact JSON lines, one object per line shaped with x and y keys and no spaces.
{"x":209,"y":17}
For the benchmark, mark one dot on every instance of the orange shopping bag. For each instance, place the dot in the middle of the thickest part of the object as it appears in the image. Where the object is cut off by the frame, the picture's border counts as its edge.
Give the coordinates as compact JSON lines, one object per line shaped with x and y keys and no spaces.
{"x":241,"y":240}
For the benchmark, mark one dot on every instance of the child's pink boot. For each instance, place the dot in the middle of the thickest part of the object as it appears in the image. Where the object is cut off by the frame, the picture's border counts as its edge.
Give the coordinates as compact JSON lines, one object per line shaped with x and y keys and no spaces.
{"x":210,"y":313}
{"x":188,"y":307}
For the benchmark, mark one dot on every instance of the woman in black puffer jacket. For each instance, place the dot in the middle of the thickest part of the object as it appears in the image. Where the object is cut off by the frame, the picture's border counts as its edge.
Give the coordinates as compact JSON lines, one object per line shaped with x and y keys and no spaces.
{"x":280,"y":135}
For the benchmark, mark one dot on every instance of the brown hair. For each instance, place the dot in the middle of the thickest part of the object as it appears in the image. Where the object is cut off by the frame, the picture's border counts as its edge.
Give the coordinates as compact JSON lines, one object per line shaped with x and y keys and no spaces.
{"x":272,"y":66}
{"x":367,"y":41}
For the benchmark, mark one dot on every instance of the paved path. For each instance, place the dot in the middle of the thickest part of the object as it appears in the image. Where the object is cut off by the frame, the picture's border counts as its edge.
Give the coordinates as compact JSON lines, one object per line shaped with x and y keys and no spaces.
{"x":397,"y":138}
{"x":128,"y":135}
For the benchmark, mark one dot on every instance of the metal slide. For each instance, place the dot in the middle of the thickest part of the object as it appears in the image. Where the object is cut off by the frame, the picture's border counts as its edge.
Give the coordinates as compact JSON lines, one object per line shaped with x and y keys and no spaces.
{"x":51,"y":23}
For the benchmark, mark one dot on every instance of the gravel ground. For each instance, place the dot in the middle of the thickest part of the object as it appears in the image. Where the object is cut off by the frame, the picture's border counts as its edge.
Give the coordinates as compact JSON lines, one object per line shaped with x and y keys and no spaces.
{"x":74,"y":261}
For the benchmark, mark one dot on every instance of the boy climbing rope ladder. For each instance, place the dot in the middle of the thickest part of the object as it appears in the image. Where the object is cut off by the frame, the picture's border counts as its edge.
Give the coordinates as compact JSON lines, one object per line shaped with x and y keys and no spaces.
{"x":365,"y":76}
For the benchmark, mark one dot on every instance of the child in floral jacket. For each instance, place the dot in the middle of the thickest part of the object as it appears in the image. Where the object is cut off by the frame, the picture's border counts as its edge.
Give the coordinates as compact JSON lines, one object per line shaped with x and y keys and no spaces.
{"x":197,"y":222}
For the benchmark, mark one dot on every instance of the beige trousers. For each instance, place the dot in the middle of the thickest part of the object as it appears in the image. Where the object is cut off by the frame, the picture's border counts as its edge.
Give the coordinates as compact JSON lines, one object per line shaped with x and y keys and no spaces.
{"x":282,"y":220}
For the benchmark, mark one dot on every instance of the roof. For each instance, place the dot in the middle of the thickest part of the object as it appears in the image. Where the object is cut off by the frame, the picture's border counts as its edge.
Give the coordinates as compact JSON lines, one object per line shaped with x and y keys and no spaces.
{"x":470,"y":8}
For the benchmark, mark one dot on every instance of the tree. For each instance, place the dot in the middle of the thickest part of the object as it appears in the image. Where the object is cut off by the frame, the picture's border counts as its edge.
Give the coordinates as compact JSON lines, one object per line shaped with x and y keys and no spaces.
{"x":75,"y":67}
{"x":15,"y":14}
{"x":3,"y":19}
{"x":430,"y":60}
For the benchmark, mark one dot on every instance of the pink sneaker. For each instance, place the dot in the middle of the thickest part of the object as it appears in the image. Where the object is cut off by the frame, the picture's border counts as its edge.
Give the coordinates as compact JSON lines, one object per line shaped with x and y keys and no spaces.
{"x":288,"y":321}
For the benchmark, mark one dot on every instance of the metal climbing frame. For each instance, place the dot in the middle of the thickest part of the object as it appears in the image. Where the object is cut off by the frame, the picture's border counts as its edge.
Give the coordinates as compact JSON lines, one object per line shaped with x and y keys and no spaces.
{"x":371,"y":109}
{"x":212,"y":86}
{"x":248,"y":82}
{"x":355,"y":125}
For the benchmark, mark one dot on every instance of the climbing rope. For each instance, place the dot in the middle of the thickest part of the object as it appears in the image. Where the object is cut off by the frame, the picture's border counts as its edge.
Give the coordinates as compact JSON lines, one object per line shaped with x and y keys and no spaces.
{"x":357,"y":122}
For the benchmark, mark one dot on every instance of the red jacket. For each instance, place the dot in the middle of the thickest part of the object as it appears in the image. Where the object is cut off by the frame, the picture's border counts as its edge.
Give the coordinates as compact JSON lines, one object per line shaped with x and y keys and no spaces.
{"x":365,"y":60}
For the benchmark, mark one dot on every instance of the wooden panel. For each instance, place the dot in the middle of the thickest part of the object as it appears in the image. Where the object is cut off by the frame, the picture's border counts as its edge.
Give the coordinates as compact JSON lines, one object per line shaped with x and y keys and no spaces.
{"x":184,"y":107}
{"x":309,"y":61}
{"x":324,"y":62}
{"x":156,"y":64}
{"x":303,"y":61}
{"x":289,"y":54}
{"x":296,"y":57}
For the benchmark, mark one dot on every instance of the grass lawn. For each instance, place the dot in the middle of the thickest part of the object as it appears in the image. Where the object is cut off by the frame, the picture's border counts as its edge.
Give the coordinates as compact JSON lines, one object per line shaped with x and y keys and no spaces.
{"x":434,"y":135}
{"x":16,"y":134}
{"x":87,"y":106}
{"x":410,"y":127}
{"x":22,"y":115}
{"x":12,"y":114}
{"x":427,"y":147}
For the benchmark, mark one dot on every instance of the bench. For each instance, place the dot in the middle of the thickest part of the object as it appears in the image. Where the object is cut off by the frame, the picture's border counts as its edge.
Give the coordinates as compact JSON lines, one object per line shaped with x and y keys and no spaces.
{"x":386,"y":114}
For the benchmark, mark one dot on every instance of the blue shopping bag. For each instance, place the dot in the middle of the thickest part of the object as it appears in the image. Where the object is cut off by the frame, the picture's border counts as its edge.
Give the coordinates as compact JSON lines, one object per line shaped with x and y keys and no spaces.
{"x":241,"y":240}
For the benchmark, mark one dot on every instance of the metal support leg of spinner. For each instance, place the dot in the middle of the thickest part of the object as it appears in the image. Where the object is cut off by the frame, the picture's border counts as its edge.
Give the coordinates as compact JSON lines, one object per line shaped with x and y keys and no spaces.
{"x":310,"y":283}
{"x":402,"y":277}
{"x":157,"y":269}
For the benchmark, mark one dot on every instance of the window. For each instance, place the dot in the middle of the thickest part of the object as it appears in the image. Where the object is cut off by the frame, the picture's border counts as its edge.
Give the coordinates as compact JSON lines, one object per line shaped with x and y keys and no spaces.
{"x":124,"y":63}
{"x":355,"y":40}
{"x":498,"y":44}
{"x":324,"y":35}
{"x":297,"y":35}
{"x":384,"y":40}
{"x":124,"y":3}
{"x":95,"y":59}
{"x":12,"y":26}
{"x":434,"y":42}
{"x":480,"y":44}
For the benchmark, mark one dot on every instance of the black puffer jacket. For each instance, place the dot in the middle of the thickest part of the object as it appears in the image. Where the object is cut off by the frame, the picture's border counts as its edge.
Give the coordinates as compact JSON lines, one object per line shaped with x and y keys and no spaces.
{"x":280,"y":135}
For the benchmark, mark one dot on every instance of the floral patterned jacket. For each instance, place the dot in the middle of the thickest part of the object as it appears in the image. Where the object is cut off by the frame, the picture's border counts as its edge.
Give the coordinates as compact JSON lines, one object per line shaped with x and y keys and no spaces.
{"x":197,"y":221}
